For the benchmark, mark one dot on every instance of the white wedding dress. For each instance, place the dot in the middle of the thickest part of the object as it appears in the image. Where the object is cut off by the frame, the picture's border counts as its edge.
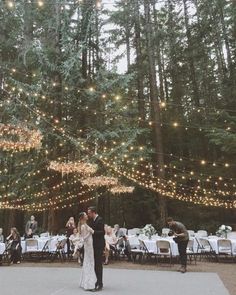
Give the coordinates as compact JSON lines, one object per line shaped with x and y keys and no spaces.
{"x":88,"y":278}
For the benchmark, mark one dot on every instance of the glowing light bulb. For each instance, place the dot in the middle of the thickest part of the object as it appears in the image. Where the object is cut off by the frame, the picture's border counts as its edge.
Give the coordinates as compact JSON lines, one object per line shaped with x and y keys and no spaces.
{"x":175,"y":124}
{"x":203,"y":162}
{"x":98,"y":4}
{"x":40,"y":3}
{"x":10,"y":4}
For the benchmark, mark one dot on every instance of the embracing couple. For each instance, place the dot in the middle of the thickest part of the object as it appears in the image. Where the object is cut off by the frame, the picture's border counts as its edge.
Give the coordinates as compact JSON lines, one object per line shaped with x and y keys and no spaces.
{"x":91,"y":231}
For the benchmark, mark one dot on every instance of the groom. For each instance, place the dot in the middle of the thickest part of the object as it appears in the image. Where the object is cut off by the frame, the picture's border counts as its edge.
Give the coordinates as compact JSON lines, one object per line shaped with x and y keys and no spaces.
{"x":98,"y":244}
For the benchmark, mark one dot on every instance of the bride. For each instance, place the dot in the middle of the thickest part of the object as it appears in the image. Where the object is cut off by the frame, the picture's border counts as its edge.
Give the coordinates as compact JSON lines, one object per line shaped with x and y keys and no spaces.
{"x":88,"y":278}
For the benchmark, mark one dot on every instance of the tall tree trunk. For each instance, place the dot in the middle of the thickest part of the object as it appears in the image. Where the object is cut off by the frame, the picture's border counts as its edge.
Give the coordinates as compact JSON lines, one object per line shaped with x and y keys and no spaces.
{"x":225,"y":33}
{"x":139,"y":63}
{"x":158,"y":51}
{"x":155,"y":106}
{"x":190,"y":57}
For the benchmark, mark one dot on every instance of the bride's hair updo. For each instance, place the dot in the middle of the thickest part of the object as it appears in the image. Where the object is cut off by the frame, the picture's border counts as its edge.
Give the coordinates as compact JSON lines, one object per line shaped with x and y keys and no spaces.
{"x":81,"y":216}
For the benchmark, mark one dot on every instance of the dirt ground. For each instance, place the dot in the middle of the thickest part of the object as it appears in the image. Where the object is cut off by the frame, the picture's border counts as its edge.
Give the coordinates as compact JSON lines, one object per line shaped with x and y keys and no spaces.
{"x":226,"y":271}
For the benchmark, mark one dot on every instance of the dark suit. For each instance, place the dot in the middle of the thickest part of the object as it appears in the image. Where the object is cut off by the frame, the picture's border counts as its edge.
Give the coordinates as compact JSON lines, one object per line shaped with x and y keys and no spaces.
{"x":99,"y":246}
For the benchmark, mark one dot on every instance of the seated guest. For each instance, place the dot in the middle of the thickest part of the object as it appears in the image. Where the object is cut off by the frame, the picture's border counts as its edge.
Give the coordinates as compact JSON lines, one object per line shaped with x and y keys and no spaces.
{"x":77,"y":245}
{"x":122,"y":241}
{"x":111,"y":242}
{"x":15,"y":245}
{"x":31,"y":224}
{"x":75,"y":235}
{"x":118,"y":232}
{"x":1,"y":236}
{"x":29,"y":234}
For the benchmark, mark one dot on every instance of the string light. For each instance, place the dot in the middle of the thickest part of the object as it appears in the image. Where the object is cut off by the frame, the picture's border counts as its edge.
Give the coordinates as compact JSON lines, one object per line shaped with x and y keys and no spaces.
{"x":175,"y":124}
{"x":72,"y":167}
{"x":121,"y":189}
{"x":99,"y":181}
{"x":27,"y":139}
{"x":40,"y":3}
{"x":10,"y":4}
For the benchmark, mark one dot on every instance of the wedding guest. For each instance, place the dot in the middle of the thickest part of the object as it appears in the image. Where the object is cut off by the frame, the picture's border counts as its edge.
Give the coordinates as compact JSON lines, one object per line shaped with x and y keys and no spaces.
{"x":77,"y":246}
{"x":123,"y":241}
{"x":111,"y":242}
{"x":70,"y":226}
{"x":31,"y":224}
{"x":29,"y":234}
{"x":1,"y":236}
{"x":15,"y":248}
{"x":181,"y":237}
{"x":75,"y":235}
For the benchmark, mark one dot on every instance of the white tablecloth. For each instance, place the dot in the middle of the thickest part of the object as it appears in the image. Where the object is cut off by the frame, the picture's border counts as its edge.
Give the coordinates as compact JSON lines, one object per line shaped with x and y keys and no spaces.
{"x":214,"y":245}
{"x":42,"y":241}
{"x":152,"y":246}
{"x":2,"y":248}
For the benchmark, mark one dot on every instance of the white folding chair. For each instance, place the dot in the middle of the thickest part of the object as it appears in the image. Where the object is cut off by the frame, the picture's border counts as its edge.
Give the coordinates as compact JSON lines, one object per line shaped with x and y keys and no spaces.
{"x":124,"y":230}
{"x":164,"y":250}
{"x":31,"y":249}
{"x":190,"y":251}
{"x":165,"y":232}
{"x":134,"y":242}
{"x":224,"y":248}
{"x":133,"y":231}
{"x":140,"y":252}
{"x":201,"y":234}
{"x":44,"y":235}
{"x":205,"y":248}
{"x":31,"y":245}
{"x":191,"y":233}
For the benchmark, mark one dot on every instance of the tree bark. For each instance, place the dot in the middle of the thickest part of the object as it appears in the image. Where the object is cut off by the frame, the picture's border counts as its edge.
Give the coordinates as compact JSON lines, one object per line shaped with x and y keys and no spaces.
{"x":139,"y":63}
{"x":155,"y":107}
{"x":190,"y":52}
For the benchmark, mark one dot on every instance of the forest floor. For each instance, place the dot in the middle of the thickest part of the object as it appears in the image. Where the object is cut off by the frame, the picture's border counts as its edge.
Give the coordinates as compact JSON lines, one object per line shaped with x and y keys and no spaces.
{"x":226,"y":271}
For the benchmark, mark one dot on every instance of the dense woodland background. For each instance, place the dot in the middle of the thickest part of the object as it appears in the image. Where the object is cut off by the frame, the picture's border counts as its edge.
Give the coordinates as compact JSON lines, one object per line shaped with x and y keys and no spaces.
{"x":173,"y":109}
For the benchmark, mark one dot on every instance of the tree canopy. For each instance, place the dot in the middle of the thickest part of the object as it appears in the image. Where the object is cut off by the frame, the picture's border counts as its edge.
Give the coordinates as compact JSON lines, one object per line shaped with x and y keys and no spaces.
{"x":166,"y":124}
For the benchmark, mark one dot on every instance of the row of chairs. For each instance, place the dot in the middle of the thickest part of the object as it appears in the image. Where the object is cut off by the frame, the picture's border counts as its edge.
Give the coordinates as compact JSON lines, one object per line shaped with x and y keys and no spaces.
{"x":204,"y":249}
{"x":165,"y":232}
{"x":33,"y":253}
{"x":224,"y":249}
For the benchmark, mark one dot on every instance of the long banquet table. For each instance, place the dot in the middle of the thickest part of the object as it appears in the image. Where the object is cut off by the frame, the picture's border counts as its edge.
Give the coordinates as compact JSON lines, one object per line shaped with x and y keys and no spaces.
{"x":53,"y":241}
{"x":214,"y":244}
{"x":41,"y":243}
{"x":152,"y":245}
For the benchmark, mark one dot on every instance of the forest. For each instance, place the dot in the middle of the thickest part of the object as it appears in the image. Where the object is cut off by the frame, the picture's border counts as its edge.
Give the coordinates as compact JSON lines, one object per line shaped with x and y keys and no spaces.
{"x":164,"y":125}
